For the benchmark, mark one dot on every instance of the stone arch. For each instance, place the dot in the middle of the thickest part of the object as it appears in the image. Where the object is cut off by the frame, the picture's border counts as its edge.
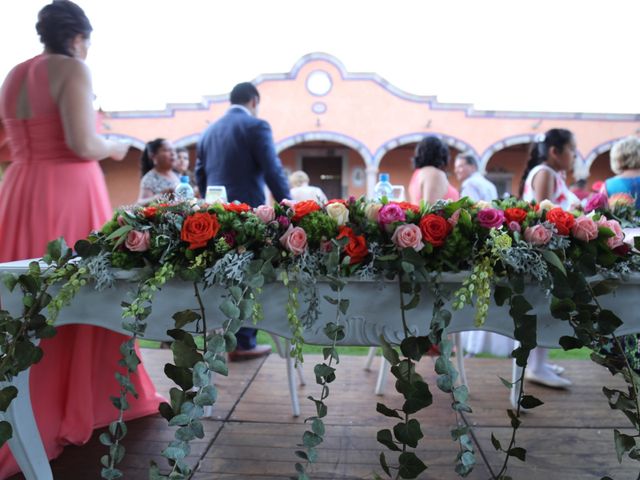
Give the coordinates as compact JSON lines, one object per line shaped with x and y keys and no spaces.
{"x":335,"y":137}
{"x":597,"y":151}
{"x":396,"y":142}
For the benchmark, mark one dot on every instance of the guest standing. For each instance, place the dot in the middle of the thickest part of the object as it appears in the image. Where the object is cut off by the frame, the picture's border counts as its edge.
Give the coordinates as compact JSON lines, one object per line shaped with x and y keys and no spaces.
{"x":543,"y":179}
{"x":46,"y":108}
{"x":238,"y":152}
{"x":475,"y":186}
{"x":301,"y":190}
{"x":429,"y":181}
{"x":156,"y":167}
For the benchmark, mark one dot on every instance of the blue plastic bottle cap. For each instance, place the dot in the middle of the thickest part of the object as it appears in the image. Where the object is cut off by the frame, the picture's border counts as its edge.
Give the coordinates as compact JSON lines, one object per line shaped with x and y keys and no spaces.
{"x":184,"y":179}
{"x":384,"y":177}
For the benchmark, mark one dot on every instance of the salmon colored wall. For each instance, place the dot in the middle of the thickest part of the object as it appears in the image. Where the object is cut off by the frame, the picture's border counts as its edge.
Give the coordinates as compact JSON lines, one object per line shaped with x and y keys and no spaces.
{"x":600,"y":169}
{"x":123,"y":178}
{"x":510,"y":160}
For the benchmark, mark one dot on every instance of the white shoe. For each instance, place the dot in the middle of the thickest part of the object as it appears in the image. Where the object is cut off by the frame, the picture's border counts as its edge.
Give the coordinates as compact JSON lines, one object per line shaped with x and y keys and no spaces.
{"x":555,"y":368}
{"x":547,"y":378}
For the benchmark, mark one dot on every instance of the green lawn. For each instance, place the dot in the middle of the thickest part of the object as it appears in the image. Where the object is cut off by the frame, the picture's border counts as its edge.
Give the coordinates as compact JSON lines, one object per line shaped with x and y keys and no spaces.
{"x":554,"y":354}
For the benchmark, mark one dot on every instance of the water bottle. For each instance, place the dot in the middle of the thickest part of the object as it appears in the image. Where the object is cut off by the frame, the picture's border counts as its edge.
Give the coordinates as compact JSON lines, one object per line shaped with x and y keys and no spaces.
{"x":183,"y":191}
{"x":383,"y":188}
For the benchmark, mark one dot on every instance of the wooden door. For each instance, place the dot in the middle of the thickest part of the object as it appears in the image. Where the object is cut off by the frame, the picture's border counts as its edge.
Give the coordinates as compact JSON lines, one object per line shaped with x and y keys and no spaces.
{"x":325,"y":172}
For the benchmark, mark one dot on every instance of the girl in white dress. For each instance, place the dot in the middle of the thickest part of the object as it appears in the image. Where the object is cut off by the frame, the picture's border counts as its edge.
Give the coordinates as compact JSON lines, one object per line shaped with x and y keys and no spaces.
{"x":543,"y":179}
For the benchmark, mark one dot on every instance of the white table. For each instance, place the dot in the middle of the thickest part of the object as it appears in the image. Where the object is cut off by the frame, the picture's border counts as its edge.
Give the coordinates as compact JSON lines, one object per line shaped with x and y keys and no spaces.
{"x":373,"y":311}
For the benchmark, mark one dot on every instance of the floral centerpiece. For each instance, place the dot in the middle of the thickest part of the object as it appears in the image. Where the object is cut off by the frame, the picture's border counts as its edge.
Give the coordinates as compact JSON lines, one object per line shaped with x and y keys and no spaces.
{"x":501,"y":244}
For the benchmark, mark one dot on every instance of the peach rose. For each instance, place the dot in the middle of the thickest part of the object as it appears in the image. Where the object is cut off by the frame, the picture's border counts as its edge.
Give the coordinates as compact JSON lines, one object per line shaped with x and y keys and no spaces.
{"x":372,"y":210}
{"x":265,"y":213}
{"x":546,"y":205}
{"x":585,"y":229}
{"x":138,"y":241}
{"x":294,"y":240}
{"x":339,"y":212}
{"x":408,"y":236}
{"x":537,"y":235}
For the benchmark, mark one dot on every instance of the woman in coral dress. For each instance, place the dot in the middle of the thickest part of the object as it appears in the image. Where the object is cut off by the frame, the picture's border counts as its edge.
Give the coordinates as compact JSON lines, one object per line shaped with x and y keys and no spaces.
{"x":54,"y":187}
{"x":429,"y":180}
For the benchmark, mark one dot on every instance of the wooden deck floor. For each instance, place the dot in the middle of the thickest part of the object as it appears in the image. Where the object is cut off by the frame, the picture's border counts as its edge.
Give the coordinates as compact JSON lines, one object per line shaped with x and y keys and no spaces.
{"x":253,"y":435}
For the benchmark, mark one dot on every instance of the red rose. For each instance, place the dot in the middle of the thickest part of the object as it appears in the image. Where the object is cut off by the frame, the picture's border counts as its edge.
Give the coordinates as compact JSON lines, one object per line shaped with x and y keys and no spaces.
{"x":199,"y":228}
{"x":561,"y":219}
{"x":356,"y":248}
{"x":237,"y":207}
{"x":149,"y":212}
{"x":408,"y":206}
{"x":515,"y":215}
{"x":336,"y":200}
{"x":304,"y":208}
{"x":435,"y":229}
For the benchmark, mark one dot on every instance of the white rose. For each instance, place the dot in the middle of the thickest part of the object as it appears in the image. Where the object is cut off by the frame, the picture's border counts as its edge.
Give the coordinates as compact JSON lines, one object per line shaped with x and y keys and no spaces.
{"x":546,"y":205}
{"x":339,"y":212}
{"x":371,"y":211}
{"x":482,"y":204}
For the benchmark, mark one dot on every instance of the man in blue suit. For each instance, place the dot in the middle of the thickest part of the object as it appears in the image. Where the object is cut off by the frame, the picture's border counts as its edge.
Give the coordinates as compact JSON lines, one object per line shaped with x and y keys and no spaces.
{"x":238,"y":152}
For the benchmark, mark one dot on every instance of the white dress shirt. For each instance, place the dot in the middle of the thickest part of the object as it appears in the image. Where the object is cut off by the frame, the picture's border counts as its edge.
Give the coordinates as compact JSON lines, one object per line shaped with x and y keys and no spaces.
{"x":476,"y":187}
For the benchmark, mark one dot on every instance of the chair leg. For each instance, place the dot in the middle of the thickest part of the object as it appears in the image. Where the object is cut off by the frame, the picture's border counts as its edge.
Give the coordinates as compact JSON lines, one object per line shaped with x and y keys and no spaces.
{"x":291,"y":380}
{"x":382,"y":376}
{"x":370,"y":356}
{"x":301,"y":375}
{"x":457,"y":338}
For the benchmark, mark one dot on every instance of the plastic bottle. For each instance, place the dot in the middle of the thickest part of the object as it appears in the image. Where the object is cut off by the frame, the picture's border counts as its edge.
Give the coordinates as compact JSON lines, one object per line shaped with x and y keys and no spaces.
{"x":183,"y":191}
{"x":383,"y":188}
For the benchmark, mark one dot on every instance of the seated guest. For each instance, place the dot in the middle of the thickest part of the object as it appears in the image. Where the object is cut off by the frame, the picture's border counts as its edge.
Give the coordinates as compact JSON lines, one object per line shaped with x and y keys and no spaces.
{"x":181,"y":167}
{"x":301,"y":190}
{"x":429,"y":181}
{"x":158,"y":178}
{"x":473,"y":183}
{"x":625,"y":162}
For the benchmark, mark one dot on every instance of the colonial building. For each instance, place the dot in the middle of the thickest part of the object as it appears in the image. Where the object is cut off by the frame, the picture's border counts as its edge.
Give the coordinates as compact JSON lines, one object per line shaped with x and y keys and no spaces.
{"x":344,"y":128}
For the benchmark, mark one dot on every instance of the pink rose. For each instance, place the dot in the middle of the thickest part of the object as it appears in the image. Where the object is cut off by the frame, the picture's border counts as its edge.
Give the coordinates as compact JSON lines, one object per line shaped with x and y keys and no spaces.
{"x":287,"y":203}
{"x":265,"y":213}
{"x":121,"y":221}
{"x":618,"y":235}
{"x":391,"y":213}
{"x":597,"y":201}
{"x":514,"y":226}
{"x":585,"y":229}
{"x":137,"y":241}
{"x":284,"y":221}
{"x":454,"y":218}
{"x":490,"y":218}
{"x":294,"y":240}
{"x":538,"y":235}
{"x":408,"y":236}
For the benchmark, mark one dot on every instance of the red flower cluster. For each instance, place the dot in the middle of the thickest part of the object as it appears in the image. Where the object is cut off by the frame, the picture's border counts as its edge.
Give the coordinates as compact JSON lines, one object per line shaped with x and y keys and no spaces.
{"x":199,"y":228}
{"x":515,"y":215}
{"x":237,"y":207}
{"x":304,"y":208}
{"x":356,"y":248}
{"x":408,"y":206}
{"x":435,"y":229}
{"x":561,"y":219}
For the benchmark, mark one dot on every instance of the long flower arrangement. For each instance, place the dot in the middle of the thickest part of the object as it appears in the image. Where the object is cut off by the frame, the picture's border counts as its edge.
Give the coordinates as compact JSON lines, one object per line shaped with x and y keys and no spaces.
{"x":502,"y":245}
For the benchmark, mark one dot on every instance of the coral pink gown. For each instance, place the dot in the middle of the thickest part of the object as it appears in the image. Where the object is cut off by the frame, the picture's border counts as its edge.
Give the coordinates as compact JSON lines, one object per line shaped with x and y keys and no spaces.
{"x":47,"y":192}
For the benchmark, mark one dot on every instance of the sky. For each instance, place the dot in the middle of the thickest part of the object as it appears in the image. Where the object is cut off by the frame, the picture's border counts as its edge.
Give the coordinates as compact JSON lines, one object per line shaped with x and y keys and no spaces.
{"x":527,"y":55}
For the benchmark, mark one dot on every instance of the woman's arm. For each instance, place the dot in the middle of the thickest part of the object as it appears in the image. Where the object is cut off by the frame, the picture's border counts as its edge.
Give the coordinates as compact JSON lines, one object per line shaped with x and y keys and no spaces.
{"x":543,"y":185}
{"x":78,"y":115}
{"x":434,"y":184}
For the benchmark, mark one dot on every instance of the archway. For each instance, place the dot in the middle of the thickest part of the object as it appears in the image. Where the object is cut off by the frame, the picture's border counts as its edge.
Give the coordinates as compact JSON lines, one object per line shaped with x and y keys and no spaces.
{"x":123,"y":178}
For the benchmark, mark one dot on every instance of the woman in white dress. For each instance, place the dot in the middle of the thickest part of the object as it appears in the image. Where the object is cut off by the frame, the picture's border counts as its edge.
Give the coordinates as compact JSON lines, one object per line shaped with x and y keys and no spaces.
{"x":551,"y":157}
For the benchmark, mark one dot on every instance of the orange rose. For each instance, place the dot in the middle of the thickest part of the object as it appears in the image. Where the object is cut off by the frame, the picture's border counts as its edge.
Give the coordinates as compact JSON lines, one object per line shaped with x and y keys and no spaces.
{"x":149,"y":212}
{"x":408,"y":206}
{"x":237,"y":207}
{"x":199,"y":228}
{"x":356,"y":248}
{"x":561,"y":219}
{"x":435,"y":229}
{"x":515,"y":215}
{"x":304,"y":208}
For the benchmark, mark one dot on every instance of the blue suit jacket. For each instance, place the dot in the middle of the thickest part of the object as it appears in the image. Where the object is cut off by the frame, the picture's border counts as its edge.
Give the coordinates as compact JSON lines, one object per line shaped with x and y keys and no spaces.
{"x":238,"y":152}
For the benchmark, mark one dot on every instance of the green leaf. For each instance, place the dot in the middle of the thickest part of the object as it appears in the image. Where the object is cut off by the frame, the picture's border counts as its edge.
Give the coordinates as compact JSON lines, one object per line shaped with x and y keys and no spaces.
{"x":408,"y":433}
{"x":7,"y":394}
{"x":246,"y":309}
{"x":415,"y":347}
{"x":608,"y":322}
{"x":518,"y":452}
{"x":318,"y":427}
{"x":6,"y":432}
{"x":410,"y":465}
{"x":324,"y":373}
{"x":383,"y":464}
{"x":604,"y":287}
{"x":219,"y":366}
{"x":506,"y":383}
{"x":10,"y":281}
{"x":388,"y":352}
{"x":236,"y":292}
{"x":310,"y":439}
{"x":111,"y":473}
{"x":117,"y":452}
{"x":553,"y":259}
{"x":344,"y":306}
{"x":385,"y":438}
{"x":120,"y":232}
{"x":231,"y":342}
{"x":105,"y":439}
{"x":562,"y":308}
{"x":185,"y":317}
{"x":529,"y":402}
{"x":495,"y":442}
{"x":501,"y":294}
{"x":386,"y":411}
{"x":201,"y":375}
{"x":206,"y":396}
{"x":570,"y":343}
{"x":623,"y":443}
{"x":180,"y":375}
{"x":185,"y":354}
{"x":230,"y":310}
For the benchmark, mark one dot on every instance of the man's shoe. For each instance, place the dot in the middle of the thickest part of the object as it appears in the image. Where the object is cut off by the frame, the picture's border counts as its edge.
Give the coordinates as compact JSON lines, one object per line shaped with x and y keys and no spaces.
{"x":256,"y":352}
{"x":548,"y":379}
